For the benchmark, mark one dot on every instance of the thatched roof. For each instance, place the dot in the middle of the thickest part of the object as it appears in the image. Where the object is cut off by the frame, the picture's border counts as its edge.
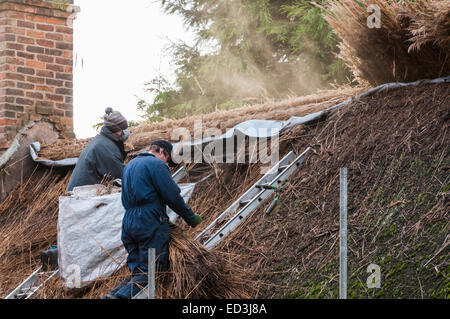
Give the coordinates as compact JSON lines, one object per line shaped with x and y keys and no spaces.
{"x":142,"y":135}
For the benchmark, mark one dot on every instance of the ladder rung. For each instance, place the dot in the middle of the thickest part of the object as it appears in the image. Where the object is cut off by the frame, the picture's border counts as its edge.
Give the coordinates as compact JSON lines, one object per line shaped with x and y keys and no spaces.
{"x":282,"y":168}
{"x":244,"y":202}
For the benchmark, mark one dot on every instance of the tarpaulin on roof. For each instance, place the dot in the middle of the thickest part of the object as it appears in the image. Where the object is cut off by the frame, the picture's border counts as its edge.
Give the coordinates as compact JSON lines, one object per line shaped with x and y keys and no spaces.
{"x":89,"y":234}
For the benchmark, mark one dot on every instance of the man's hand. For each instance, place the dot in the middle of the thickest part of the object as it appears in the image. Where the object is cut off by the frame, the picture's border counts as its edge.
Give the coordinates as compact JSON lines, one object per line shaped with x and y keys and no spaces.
{"x":197,"y":220}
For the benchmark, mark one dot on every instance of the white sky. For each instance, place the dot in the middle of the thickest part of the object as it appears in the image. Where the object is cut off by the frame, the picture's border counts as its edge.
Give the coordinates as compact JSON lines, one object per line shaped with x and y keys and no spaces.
{"x":118,"y":46}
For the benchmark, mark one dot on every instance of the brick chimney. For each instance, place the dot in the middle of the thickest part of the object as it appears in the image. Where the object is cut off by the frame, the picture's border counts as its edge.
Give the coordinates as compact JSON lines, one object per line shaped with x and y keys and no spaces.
{"x":36,"y":64}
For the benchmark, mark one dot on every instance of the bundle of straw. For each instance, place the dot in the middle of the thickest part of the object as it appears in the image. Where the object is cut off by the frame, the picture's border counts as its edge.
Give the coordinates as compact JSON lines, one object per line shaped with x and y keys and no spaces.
{"x":411,"y":43}
{"x":196,"y":272}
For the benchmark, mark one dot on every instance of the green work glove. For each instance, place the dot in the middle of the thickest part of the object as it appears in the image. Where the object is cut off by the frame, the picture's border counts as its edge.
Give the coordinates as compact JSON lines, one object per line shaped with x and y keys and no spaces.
{"x":197,"y":219}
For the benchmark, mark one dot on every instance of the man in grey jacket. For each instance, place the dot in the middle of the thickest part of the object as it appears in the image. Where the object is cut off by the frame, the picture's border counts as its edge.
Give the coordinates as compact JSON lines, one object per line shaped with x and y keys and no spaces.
{"x":104,"y":155}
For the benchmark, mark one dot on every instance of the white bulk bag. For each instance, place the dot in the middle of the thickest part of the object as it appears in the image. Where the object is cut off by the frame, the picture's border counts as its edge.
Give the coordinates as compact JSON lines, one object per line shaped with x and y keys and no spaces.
{"x":89,"y":234}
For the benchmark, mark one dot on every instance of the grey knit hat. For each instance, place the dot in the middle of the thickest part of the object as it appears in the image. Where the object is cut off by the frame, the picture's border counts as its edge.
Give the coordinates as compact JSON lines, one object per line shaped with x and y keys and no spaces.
{"x":114,"y":120}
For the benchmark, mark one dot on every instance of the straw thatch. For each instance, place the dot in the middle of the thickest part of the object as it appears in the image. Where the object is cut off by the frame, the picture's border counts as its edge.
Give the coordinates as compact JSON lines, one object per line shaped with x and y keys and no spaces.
{"x":412,"y":42}
{"x":248,"y":264}
{"x":142,"y":135}
{"x":28,"y":225}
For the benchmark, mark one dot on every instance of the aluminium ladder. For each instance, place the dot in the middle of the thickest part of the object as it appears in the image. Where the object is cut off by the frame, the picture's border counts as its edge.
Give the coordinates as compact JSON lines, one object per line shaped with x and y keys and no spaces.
{"x":237,"y":212}
{"x":30,"y":286}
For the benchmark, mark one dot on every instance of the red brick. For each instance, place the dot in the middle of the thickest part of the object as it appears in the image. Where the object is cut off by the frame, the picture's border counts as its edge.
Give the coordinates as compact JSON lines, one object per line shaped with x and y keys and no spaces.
{"x":25,"y":40}
{"x":35,"y":18}
{"x":9,"y":122}
{"x":34,"y":95}
{"x":45,"y":89}
{"x":64,"y":91}
{"x":65,"y":106}
{"x":25,"y":24}
{"x":45,"y":104}
{"x":13,"y":30}
{"x":64,"y":61}
{"x":16,"y":92}
{"x":28,"y":71}
{"x":54,"y":82}
{"x":15,"y":61}
{"x":7,"y":53}
{"x":44,"y":110}
{"x":45,"y":27}
{"x":68,"y":38}
{"x":64,"y":76}
{"x":45,"y":73}
{"x":35,"y":34}
{"x":55,"y":36}
{"x":68,"y":84}
{"x":24,"y":101}
{"x":45,"y":43}
{"x":25,"y":55}
{"x":54,"y":52}
{"x":59,"y":112}
{"x":65,"y":30}
{"x":14,"y":14}
{"x":46,"y":58}
{"x":24,"y":85}
{"x":7,"y":37}
{"x":64,"y":46}
{"x":55,"y":67}
{"x":35,"y":64}
{"x":35,"y":80}
{"x":53,"y":97}
{"x":7,"y":21}
{"x":7,"y":84}
{"x":15,"y":46}
{"x":68,"y":54}
{"x":35,"y":49}
{"x":15,"y":76}
{"x":56,"y":21}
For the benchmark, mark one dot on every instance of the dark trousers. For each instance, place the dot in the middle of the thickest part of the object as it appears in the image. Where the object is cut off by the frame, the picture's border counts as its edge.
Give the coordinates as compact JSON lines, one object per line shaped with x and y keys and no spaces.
{"x":138,"y":237}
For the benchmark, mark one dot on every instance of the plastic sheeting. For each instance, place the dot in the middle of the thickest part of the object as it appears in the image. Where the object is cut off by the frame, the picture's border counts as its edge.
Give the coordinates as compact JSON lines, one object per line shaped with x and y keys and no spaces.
{"x":263,"y":128}
{"x":89,"y":234}
{"x":36,"y":147}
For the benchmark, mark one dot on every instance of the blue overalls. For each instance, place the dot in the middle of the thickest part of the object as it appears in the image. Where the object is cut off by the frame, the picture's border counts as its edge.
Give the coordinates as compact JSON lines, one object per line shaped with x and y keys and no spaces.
{"x":147,"y":187}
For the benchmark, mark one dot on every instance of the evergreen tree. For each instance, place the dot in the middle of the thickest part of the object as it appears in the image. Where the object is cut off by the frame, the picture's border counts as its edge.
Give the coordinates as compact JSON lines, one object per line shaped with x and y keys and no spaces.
{"x":258,"y":49}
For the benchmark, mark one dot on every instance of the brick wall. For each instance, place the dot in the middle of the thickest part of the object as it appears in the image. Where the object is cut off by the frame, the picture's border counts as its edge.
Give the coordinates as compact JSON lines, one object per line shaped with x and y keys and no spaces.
{"x":36,"y":61}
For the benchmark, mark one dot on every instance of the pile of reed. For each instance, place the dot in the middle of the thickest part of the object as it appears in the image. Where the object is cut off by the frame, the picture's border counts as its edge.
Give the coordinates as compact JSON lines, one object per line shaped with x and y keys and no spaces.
{"x":28,"y":225}
{"x":412,"y":42}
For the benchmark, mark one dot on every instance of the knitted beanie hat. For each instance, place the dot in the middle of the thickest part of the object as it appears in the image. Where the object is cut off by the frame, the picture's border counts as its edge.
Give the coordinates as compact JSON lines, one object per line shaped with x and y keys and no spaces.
{"x":114,"y":120}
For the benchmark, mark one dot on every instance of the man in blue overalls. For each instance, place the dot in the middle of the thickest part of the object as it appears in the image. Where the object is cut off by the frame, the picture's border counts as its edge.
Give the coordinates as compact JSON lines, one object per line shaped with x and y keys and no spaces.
{"x":147,"y":187}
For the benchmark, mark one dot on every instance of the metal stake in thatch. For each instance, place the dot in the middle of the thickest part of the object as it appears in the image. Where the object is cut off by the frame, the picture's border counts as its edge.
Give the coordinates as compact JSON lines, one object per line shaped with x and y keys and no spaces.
{"x":151,"y":273}
{"x":343,"y":235}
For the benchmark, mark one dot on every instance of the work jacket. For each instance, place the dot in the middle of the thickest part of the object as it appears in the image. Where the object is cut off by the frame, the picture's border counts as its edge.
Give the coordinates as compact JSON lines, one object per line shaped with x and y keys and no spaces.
{"x":102,"y":156}
{"x":148,"y":186}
